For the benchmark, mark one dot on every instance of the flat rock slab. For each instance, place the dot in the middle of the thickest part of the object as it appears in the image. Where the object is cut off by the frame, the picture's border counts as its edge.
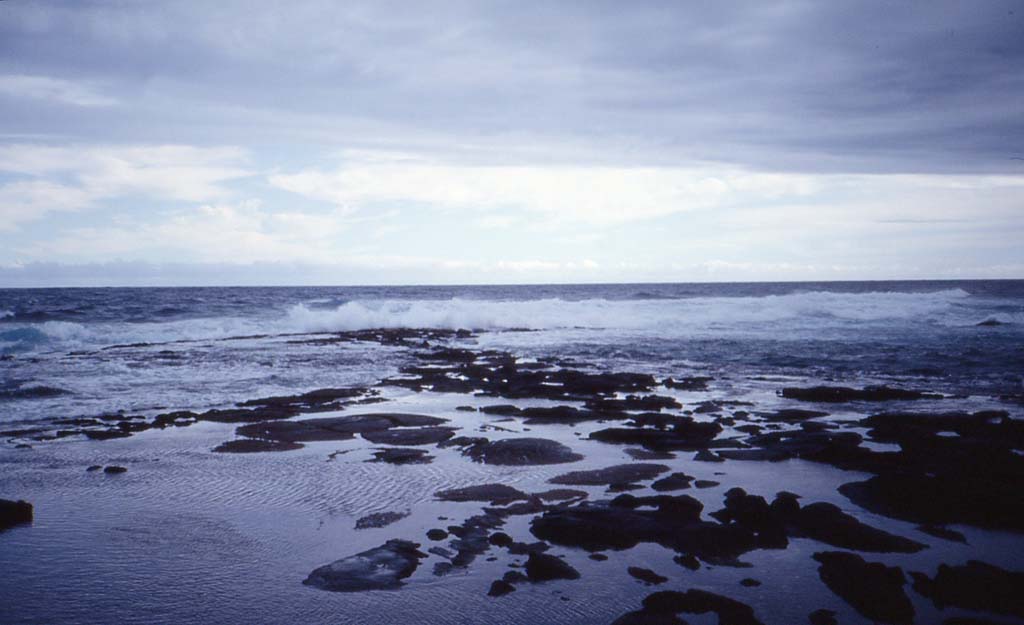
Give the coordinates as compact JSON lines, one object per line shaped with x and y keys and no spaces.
{"x":618,"y":474}
{"x":397,"y":455}
{"x":380,"y":568}
{"x":410,"y":436}
{"x":522,"y":451}
{"x":842,"y":394}
{"x":496,"y":494}
{"x":253,"y":445}
{"x":335,"y":428}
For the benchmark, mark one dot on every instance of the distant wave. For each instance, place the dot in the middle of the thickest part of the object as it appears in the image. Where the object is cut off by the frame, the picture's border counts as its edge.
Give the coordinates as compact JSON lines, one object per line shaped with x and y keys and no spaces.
{"x":555,"y":313}
{"x":677,"y":317}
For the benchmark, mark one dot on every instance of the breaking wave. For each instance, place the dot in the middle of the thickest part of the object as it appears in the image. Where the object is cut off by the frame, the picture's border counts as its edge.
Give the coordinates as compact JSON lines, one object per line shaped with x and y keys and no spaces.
{"x":542,"y":314}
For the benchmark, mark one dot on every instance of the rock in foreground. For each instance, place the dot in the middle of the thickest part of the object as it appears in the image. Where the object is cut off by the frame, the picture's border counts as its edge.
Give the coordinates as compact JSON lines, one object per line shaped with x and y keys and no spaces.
{"x":14,"y":513}
{"x":873,"y":589}
{"x":380,"y":568}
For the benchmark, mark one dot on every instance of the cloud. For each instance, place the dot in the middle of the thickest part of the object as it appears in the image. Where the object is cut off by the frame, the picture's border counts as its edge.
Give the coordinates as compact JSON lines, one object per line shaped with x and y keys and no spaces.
{"x":53,"y":179}
{"x":593,"y":194}
{"x":54,"y":89}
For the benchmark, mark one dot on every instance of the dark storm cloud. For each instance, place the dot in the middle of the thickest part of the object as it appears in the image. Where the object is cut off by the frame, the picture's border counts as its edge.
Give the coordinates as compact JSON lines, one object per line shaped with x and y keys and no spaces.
{"x":808,"y":86}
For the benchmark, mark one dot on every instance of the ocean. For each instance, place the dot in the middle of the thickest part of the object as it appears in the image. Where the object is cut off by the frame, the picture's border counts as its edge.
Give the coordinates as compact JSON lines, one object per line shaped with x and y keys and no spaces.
{"x":226,"y":518}
{"x":153,"y":349}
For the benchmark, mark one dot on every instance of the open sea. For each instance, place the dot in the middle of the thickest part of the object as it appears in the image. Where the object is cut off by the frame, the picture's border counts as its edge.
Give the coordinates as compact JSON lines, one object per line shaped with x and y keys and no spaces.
{"x":186,"y":535}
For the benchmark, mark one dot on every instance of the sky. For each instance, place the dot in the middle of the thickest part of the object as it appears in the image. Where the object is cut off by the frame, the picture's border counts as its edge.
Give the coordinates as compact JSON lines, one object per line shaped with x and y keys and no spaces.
{"x":322,"y":142}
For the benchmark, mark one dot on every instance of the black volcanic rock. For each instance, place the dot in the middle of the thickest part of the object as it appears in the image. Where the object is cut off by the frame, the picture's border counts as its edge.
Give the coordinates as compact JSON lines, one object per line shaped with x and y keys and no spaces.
{"x":541,"y":567}
{"x":500,"y":587}
{"x":622,"y":524}
{"x":873,"y":589}
{"x":793,"y":415}
{"x":646,"y":575}
{"x":618,"y":474}
{"x":826,"y":523}
{"x":676,"y":481}
{"x":14,"y":513}
{"x":379,"y":568}
{"x":397,"y":455}
{"x":409,"y":436}
{"x":974,"y":586}
{"x":670,"y":602}
{"x":496,"y":494}
{"x":842,"y":394}
{"x":522,"y":451}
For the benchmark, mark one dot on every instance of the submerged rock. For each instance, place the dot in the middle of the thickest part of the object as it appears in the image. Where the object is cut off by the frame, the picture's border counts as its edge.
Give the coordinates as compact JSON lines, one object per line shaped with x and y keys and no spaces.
{"x":873,"y":589}
{"x":379,"y":519}
{"x":14,"y":513}
{"x":380,"y":568}
{"x":252,"y":445}
{"x":522,"y":451}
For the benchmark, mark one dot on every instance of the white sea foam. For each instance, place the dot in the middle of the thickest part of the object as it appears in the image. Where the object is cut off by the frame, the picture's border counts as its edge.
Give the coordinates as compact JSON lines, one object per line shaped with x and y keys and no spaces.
{"x":671,"y":317}
{"x":691,"y":313}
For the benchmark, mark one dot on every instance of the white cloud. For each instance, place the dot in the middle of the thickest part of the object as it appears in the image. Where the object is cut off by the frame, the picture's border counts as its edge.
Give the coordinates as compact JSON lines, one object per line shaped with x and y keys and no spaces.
{"x":76,"y":177}
{"x":54,"y":89}
{"x":592,"y":194}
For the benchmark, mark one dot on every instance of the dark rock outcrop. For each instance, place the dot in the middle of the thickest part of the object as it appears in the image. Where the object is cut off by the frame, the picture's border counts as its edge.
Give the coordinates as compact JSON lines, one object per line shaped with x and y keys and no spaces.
{"x":380,"y":568}
{"x":873,"y":589}
{"x":646,"y":575}
{"x":496,"y":494}
{"x":14,"y":513}
{"x":842,"y":394}
{"x":253,"y":445}
{"x":522,"y":451}
{"x":974,"y":586}
{"x":618,"y":474}
{"x":541,"y":567}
